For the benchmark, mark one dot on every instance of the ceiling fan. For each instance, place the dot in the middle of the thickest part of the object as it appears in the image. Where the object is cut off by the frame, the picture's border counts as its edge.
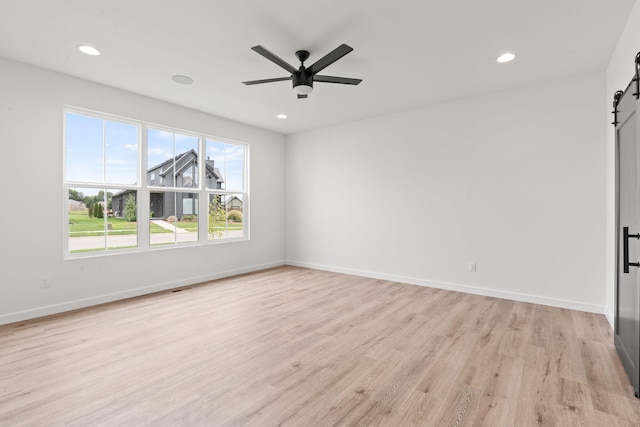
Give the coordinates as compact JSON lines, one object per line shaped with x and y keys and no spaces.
{"x":304,"y":77}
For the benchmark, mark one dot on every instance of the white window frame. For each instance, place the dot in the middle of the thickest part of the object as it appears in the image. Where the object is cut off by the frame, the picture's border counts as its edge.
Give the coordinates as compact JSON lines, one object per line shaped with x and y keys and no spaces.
{"x":144,"y":189}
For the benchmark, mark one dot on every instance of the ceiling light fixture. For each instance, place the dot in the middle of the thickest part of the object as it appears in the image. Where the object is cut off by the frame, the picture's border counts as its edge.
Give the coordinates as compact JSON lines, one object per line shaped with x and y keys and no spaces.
{"x":88,"y":50}
{"x":506,"y":57}
{"x":183,"y":80}
{"x":281,"y":116}
{"x":303,"y":89}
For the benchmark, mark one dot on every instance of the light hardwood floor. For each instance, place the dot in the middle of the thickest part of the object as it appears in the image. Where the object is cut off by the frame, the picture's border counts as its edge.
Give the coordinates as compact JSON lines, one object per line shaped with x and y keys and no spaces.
{"x":297,"y":347}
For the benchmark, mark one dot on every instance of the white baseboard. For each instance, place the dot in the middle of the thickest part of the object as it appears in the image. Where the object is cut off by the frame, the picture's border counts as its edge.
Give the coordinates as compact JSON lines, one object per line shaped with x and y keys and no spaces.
{"x":102,"y":299}
{"x":514,"y":296}
{"x":610,"y":317}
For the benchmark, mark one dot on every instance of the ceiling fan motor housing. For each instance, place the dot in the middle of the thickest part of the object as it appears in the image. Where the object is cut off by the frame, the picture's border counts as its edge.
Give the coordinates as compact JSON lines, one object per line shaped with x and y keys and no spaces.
{"x":302,"y":78}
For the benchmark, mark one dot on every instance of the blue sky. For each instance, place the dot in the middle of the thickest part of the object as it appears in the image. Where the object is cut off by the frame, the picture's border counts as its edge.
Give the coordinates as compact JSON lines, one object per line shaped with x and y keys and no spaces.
{"x":91,"y":160}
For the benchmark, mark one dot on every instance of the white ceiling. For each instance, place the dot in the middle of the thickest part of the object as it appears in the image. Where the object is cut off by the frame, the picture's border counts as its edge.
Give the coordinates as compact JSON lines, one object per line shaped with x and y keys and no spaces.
{"x":409,"y":53}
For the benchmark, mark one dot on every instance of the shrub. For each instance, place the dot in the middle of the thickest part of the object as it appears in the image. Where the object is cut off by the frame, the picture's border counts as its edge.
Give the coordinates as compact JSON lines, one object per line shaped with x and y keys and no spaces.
{"x":172,"y":218}
{"x":97,"y":211}
{"x":235,"y":216}
{"x":189,"y":218}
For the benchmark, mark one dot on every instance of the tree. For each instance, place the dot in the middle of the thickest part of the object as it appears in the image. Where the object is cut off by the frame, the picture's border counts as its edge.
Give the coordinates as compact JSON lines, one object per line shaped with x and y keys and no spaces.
{"x":100,"y":197}
{"x":89,"y":201}
{"x":216,"y":215}
{"x":98,"y":212}
{"x":130,"y":209}
{"x":76,"y":195}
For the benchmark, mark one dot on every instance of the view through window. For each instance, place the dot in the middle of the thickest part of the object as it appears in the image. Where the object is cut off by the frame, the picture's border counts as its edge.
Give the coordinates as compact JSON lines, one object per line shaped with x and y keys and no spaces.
{"x":133,"y":186}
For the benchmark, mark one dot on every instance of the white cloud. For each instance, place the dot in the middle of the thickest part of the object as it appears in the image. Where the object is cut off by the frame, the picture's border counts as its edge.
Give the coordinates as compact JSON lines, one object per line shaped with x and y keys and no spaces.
{"x":225,"y":152}
{"x":121,"y":162}
{"x":161,"y":134}
{"x":157,"y":150}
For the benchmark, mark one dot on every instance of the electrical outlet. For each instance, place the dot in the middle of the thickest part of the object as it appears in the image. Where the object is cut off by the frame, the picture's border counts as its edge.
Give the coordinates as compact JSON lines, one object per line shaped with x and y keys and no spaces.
{"x":45,"y":282}
{"x":472,"y":266}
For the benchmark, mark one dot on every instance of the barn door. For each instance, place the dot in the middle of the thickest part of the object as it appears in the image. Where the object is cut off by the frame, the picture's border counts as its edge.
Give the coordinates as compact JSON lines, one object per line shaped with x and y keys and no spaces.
{"x":627,"y":320}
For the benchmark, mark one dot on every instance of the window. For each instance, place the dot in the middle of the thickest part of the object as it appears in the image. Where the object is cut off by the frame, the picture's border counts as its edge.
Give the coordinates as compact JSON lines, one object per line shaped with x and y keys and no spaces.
{"x":224,"y":184}
{"x":135,"y":186}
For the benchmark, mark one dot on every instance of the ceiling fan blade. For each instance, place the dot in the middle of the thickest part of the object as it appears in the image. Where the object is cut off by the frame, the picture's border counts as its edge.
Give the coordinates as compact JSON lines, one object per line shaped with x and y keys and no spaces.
{"x":329,"y":58}
{"x":274,"y":58}
{"x":331,"y":79}
{"x":257,"y":82}
{"x":301,"y":96}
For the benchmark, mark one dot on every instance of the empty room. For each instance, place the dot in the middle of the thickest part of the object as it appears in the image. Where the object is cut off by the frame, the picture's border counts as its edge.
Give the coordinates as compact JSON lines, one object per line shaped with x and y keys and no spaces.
{"x":411,"y":213}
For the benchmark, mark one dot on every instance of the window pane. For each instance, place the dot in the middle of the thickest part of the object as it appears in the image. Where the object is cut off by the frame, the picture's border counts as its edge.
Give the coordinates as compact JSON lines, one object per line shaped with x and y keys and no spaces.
{"x":172,"y":159}
{"x":225,"y":165}
{"x":174,"y":218}
{"x":84,"y":148}
{"x":101,"y":151}
{"x":122,"y":228}
{"x":121,"y":149}
{"x":234,"y":167}
{"x":226,"y":216}
{"x":92,"y":224}
{"x":159,"y":152}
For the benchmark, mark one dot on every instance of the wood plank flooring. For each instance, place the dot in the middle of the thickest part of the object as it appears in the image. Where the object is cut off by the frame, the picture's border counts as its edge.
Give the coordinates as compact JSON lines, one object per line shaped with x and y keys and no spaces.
{"x":298,"y":347}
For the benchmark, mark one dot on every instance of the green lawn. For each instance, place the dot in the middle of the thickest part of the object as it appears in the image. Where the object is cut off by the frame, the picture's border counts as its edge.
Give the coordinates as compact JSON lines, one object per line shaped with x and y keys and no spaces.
{"x":187,"y":225}
{"x":80,"y":224}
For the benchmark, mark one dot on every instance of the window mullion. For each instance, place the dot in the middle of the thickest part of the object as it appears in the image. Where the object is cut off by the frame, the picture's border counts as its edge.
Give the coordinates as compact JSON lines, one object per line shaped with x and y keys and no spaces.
{"x":144,"y":197}
{"x":105,"y":217}
{"x":203,"y":197}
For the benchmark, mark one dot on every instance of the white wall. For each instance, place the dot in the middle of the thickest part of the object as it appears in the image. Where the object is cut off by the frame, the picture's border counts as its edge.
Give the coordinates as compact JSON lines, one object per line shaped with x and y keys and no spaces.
{"x":619,"y":73}
{"x":31,"y":102}
{"x":514,"y":181}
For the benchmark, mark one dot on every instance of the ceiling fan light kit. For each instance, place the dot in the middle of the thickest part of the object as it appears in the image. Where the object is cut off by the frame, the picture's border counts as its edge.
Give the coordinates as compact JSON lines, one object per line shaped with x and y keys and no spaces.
{"x":303,"y":77}
{"x":302,"y":88}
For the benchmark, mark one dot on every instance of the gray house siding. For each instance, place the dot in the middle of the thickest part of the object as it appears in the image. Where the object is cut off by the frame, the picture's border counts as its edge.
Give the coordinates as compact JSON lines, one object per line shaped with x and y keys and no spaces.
{"x":234,"y":204}
{"x":168,"y":207}
{"x":119,"y":201}
{"x":181,"y":172}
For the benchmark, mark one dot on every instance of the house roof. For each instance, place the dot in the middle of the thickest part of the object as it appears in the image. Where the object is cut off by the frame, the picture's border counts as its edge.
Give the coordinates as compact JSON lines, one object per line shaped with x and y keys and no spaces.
{"x":180,"y":162}
{"x":230,"y":197}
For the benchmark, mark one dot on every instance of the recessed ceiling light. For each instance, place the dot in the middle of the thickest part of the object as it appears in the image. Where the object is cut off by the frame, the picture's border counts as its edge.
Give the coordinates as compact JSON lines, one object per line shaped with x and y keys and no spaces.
{"x":183,"y":80}
{"x":89,"y":50}
{"x":281,"y":116}
{"x":506,"y":57}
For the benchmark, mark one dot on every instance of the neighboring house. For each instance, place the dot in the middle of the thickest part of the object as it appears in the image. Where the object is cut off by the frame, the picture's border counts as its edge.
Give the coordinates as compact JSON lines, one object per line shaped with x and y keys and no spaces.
{"x":233,"y":203}
{"x":75,"y":205}
{"x":180,"y":171}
